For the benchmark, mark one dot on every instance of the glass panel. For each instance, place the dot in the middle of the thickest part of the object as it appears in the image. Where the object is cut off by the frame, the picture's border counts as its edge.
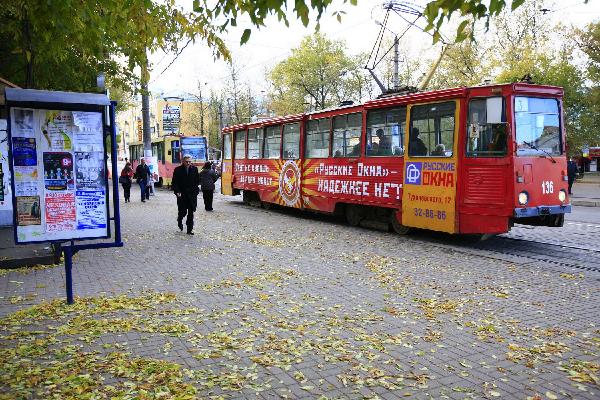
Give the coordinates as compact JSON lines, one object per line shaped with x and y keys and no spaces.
{"x":486,"y":139}
{"x":253,"y":149}
{"x":260,"y":134}
{"x":317,"y":138}
{"x":346,"y":135}
{"x":227,"y":147}
{"x":240,"y":145}
{"x":175,"y":154}
{"x":432,"y":130}
{"x":273,"y":142}
{"x":291,"y":141}
{"x":385,"y":132}
{"x":538,"y":126}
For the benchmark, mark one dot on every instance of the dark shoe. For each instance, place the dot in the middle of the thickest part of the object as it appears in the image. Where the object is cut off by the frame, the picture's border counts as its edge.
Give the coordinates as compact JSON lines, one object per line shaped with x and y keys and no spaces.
{"x":180,"y":225}
{"x":190,"y":233}
{"x":143,"y":201}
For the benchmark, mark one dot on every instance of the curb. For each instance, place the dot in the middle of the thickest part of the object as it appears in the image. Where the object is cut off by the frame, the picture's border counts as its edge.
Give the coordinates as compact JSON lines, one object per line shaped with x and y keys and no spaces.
{"x":12,"y":263}
{"x":585,"y":203}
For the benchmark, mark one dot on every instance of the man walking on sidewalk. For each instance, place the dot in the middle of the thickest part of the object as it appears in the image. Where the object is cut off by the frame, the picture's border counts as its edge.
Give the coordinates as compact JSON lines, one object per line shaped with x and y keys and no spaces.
{"x":185,"y":186}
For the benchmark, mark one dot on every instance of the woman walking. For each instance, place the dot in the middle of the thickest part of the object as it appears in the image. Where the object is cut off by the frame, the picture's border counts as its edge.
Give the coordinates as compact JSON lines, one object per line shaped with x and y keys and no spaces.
{"x":125,"y":179}
{"x":208,"y":177}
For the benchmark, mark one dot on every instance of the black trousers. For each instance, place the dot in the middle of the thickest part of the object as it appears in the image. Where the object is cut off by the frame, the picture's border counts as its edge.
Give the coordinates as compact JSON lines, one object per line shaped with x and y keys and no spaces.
{"x":571,"y":184}
{"x":186,"y":206}
{"x":207,"y":195}
{"x":127,"y":190}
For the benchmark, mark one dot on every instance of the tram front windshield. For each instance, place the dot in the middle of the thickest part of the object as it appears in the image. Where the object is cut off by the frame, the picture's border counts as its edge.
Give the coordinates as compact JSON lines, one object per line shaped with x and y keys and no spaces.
{"x":538,"y":126}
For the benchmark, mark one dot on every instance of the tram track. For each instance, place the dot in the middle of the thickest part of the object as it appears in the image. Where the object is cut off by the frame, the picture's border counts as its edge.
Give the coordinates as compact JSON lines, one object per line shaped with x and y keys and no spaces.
{"x":559,"y":254}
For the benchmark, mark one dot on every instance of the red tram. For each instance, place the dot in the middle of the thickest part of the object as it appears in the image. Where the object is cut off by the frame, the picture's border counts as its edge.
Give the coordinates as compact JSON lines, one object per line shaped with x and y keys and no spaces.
{"x":470,"y":160}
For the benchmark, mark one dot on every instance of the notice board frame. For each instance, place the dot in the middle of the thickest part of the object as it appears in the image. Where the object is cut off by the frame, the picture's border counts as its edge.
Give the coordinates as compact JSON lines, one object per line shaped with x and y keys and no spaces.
{"x":77,"y":102}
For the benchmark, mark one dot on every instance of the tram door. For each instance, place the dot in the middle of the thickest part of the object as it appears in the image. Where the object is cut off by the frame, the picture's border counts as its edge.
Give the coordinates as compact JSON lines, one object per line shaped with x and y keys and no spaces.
{"x":227,"y":167}
{"x":485,"y":169}
{"x":430,"y":167}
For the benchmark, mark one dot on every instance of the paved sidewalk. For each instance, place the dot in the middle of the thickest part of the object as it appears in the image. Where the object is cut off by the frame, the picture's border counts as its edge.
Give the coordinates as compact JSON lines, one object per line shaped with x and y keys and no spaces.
{"x":281,"y":304}
{"x":586,"y":191}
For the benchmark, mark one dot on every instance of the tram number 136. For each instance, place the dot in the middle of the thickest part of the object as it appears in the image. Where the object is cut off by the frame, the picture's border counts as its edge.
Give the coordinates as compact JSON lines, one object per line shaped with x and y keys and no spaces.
{"x":427,"y":213}
{"x":547,"y":187}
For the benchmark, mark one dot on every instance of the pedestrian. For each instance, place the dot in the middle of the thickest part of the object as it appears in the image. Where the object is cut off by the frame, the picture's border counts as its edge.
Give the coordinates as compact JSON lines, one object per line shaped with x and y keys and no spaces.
{"x":208,"y":177}
{"x":142,"y":174}
{"x":571,"y":173}
{"x":185,"y":186}
{"x":125,"y":179}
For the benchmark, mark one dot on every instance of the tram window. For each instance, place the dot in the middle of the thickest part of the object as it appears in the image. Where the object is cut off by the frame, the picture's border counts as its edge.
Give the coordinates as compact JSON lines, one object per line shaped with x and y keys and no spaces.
{"x":317,"y":138}
{"x":291,"y":141}
{"x":253,"y":144}
{"x":346,"y":135}
{"x":385,"y":132}
{"x":227,"y":147}
{"x":432,"y":130}
{"x":537,"y":123}
{"x":175,"y":152}
{"x":486,"y":128}
{"x":240,"y":145}
{"x":272,"y":142}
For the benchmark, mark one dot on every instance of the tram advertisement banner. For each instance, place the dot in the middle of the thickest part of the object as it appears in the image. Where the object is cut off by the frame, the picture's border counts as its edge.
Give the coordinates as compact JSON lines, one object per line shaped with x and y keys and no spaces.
{"x":59,"y":168}
{"x":429,"y":196}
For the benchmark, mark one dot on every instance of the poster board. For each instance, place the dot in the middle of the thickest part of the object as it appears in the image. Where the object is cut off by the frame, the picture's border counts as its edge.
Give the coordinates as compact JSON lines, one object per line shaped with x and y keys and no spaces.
{"x":60,"y":186}
{"x":196,"y":147}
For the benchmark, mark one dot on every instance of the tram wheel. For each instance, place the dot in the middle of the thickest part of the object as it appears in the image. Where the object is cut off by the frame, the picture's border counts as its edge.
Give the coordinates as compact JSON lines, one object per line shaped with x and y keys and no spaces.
{"x":354,"y":214}
{"x":266,"y":205}
{"x":247,"y":197}
{"x":398,"y":227}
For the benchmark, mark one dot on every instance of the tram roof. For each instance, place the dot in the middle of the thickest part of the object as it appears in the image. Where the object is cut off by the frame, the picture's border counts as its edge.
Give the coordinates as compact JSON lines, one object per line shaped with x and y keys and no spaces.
{"x":442,"y":94}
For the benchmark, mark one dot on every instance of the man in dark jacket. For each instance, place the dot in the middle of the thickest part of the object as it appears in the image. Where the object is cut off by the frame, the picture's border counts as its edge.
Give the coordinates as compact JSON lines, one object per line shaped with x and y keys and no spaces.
{"x":571,"y":173}
{"x":208,"y":177}
{"x":185,"y":186}
{"x":142,"y":174}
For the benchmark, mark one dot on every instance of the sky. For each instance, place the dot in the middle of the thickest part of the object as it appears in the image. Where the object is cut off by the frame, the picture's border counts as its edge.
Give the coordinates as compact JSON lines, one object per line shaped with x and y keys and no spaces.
{"x":273,"y":43}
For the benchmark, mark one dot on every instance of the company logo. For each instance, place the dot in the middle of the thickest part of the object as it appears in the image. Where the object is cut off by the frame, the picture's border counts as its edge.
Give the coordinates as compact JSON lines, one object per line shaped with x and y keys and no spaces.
{"x":413,"y":173}
{"x":289,"y":183}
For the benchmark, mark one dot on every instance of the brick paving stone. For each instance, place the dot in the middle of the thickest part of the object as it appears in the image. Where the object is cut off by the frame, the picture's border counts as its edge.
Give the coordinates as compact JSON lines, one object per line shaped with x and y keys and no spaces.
{"x":365,"y":301}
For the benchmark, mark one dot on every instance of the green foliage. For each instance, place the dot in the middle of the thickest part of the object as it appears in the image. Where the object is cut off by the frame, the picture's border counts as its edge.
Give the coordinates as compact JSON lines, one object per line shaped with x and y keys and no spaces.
{"x":439,"y":11}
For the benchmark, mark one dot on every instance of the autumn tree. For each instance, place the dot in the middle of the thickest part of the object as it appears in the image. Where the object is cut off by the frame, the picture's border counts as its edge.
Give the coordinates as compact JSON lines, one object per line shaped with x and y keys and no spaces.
{"x":318,"y":73}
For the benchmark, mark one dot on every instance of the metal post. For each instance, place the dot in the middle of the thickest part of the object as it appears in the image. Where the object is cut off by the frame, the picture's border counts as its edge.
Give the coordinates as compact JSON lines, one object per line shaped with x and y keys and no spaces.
{"x":396,"y":62}
{"x":68,"y":252}
{"x":115,"y":172}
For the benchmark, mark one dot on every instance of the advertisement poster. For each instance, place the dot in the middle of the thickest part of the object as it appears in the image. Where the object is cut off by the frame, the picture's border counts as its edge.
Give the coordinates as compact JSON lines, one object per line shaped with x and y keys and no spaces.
{"x":26,"y":181}
{"x":23,"y":122}
{"x":153,"y":166}
{"x":58,"y":171}
{"x":89,"y":170}
{"x":60,"y":211}
{"x":59,"y":178}
{"x":171,"y":118}
{"x":91,"y":209}
{"x":24,"y":151}
{"x":88,"y":132}
{"x":28,"y":210}
{"x":56,"y":130}
{"x":195,"y":147}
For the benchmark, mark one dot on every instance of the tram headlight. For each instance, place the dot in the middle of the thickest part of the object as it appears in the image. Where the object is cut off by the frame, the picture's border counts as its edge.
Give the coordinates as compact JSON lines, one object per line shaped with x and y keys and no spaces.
{"x":523,"y":198}
{"x":562,"y":195}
